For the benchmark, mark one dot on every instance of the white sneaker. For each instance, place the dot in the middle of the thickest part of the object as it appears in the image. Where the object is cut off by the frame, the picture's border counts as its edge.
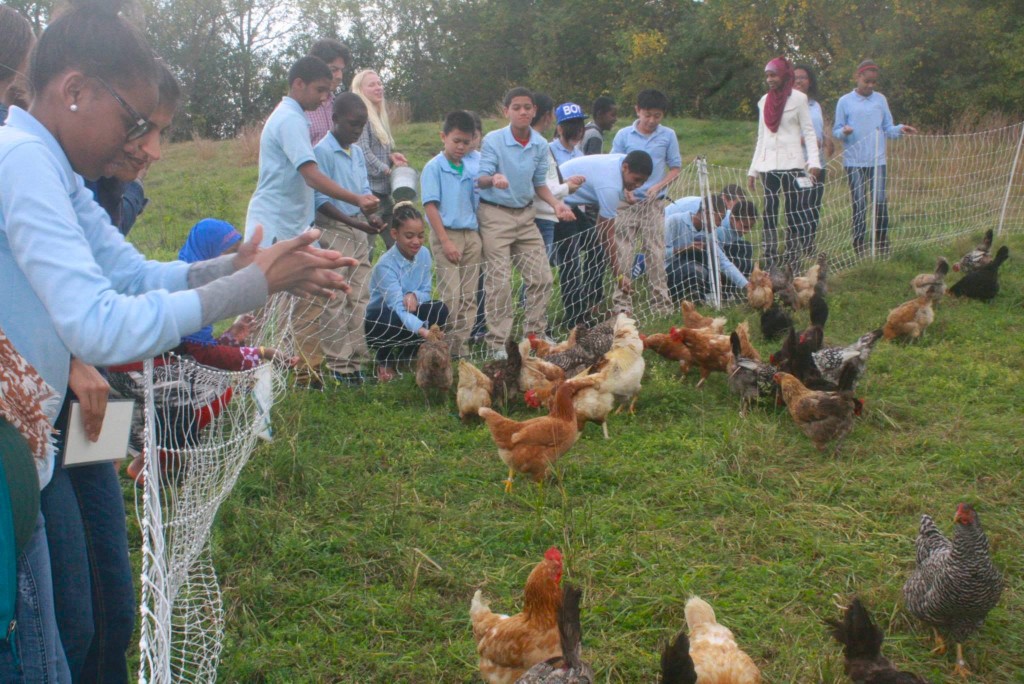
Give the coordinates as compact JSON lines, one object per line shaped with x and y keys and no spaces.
{"x":498,"y":355}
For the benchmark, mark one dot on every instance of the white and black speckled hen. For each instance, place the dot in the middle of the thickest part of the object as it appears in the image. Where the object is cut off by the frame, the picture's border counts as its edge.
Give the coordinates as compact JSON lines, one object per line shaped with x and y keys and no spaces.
{"x":955,"y":584}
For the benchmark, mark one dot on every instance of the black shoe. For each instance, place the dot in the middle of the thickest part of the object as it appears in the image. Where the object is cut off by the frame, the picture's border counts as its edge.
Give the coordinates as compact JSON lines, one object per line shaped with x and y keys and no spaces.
{"x":354,"y":379}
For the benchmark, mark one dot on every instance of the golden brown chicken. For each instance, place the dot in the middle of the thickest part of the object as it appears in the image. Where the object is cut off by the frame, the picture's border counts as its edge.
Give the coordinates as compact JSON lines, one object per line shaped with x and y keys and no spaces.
{"x":434,"y":362}
{"x":748,"y":349}
{"x":537,"y":373}
{"x":932,"y":285}
{"x":543,"y":348}
{"x":664,"y":346}
{"x":568,"y":668}
{"x":910,"y":319}
{"x":474,"y":391}
{"x":708,"y":351}
{"x":509,"y":646}
{"x":693,"y":319}
{"x":622,"y":367}
{"x":716,"y":656}
{"x":759,"y":289}
{"x":592,"y":403}
{"x":823,"y":416}
{"x":531,"y":446}
{"x":807,"y":285}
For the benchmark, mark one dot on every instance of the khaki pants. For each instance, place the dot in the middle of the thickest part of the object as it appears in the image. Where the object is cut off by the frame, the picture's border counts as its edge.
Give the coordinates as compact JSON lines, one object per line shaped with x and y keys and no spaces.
{"x":510,"y":239}
{"x":331,"y":330}
{"x":456,"y":284}
{"x":644,"y":222}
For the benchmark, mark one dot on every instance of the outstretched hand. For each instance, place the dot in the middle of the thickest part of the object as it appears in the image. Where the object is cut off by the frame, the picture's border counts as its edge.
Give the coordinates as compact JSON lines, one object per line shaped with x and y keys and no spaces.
{"x":297,"y":266}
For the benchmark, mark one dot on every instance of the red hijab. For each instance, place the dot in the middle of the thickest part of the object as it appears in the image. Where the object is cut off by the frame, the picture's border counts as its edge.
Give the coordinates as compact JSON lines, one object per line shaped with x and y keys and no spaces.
{"x":776,"y":100}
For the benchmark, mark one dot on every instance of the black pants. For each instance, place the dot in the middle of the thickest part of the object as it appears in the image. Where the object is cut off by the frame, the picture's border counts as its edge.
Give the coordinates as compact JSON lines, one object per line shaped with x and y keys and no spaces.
{"x":392,"y":341}
{"x":812,"y":206}
{"x":688,"y":277}
{"x":782,"y":183}
{"x":581,"y":263}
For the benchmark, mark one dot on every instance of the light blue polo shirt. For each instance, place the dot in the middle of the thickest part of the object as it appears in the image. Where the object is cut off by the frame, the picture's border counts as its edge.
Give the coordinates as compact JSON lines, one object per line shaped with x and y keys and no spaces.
{"x":561,"y":154}
{"x":454,"y":193}
{"x":662,"y":145}
{"x":603,"y":187}
{"x":680,"y":232}
{"x":690,"y":204}
{"x":282,"y":203}
{"x":525,"y":167}
{"x":865,"y":115}
{"x":347,"y":168}
{"x":393,"y":276}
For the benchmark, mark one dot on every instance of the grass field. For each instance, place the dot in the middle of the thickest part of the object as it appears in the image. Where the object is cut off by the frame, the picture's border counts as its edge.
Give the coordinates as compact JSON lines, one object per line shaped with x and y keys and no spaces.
{"x":352,"y":545}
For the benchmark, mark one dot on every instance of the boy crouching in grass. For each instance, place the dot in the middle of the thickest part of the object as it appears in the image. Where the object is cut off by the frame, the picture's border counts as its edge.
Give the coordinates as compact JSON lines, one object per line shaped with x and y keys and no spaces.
{"x":447,"y":186}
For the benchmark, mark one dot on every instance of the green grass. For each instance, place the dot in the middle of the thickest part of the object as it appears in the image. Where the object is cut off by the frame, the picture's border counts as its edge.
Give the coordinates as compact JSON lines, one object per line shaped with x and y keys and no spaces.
{"x":352,"y":545}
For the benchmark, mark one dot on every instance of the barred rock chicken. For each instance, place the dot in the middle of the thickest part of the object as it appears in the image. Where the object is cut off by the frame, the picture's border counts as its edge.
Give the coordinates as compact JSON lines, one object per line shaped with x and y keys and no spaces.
{"x":910,"y":319}
{"x":862,"y":649}
{"x":664,"y":346}
{"x":622,"y":367}
{"x":708,"y":351}
{"x":716,"y":656}
{"x":977,"y":257}
{"x":983,"y":282}
{"x":434,"y":362}
{"x":598,"y":340}
{"x":830,"y":360}
{"x":569,"y":667}
{"x":531,"y":446}
{"x":823,"y":416}
{"x":932,"y":284}
{"x":474,"y":390}
{"x":693,"y":319}
{"x":759,"y":289}
{"x":954,"y":585}
{"x":748,"y":377}
{"x":676,"y":663}
{"x":509,"y":646}
{"x":537,"y":373}
{"x":504,"y":374}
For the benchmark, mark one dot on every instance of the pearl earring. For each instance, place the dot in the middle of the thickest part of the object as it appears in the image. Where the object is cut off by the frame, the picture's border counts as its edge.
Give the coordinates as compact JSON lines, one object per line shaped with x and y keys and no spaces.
{"x":74,"y":108}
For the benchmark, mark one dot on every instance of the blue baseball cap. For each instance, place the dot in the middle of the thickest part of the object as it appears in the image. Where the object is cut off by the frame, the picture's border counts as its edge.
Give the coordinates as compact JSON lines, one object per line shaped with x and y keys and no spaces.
{"x":568,"y":112}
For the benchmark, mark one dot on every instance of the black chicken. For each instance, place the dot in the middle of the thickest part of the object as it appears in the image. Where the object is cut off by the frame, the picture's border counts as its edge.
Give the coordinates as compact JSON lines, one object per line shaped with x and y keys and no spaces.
{"x":982,"y":283}
{"x":676,"y":664}
{"x":775,"y":321}
{"x":862,"y":648}
{"x":955,"y":584}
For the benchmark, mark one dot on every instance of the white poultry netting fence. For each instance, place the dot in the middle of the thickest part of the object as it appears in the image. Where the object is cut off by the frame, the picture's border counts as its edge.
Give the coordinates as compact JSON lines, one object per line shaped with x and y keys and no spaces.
{"x":204,"y":423}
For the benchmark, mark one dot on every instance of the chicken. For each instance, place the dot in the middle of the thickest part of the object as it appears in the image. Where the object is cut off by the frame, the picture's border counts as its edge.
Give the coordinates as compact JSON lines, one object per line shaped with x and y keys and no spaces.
{"x":830,"y":360}
{"x":812,"y":337}
{"x":508,"y":646}
{"x":910,"y":319}
{"x":474,"y":390}
{"x":983,"y":282}
{"x":573,"y":360}
{"x":504,"y":374}
{"x":569,"y":667}
{"x":693,"y":319}
{"x":782,"y":284}
{"x":676,"y":663}
{"x":807,"y":286}
{"x":955,"y":584}
{"x":716,"y":656}
{"x":708,"y":351}
{"x":823,"y":416}
{"x":977,"y":257}
{"x":759,"y":289}
{"x":530,"y":447}
{"x":622,"y":367}
{"x":748,"y":377}
{"x":749,"y":350}
{"x":434,"y":362}
{"x":775,"y":322}
{"x":932,"y":284}
{"x":543,"y":348}
{"x":597,"y":340}
{"x":862,"y":649}
{"x":592,"y":403}
{"x":537,"y":373}
{"x":664,"y":346}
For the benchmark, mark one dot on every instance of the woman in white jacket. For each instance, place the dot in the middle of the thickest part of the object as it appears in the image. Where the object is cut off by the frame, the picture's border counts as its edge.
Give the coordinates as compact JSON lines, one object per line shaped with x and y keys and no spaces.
{"x":784,"y":130}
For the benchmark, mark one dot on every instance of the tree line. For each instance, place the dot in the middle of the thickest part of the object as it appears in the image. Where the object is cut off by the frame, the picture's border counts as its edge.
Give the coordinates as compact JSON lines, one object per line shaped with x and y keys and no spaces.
{"x":942,"y":60}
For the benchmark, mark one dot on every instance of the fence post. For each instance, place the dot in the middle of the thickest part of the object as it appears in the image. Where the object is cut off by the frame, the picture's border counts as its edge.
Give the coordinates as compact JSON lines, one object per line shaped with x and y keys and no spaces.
{"x":1009,"y":183}
{"x":707,"y":214}
{"x":874,"y":199}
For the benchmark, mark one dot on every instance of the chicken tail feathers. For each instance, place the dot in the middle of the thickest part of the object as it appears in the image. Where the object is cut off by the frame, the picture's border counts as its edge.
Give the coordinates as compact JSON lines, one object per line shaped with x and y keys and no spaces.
{"x":569,"y":628}
{"x":860,"y":637}
{"x":734,"y":340}
{"x":676,"y":663}
{"x":819,"y":310}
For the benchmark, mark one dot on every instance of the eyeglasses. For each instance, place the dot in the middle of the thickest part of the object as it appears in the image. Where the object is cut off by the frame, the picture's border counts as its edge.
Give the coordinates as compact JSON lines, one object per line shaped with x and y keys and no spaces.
{"x":140,"y":126}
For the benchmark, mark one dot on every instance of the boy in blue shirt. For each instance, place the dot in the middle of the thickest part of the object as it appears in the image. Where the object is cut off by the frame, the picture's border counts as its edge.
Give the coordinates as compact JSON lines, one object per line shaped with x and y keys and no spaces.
{"x":660,"y":142}
{"x":332,"y":330}
{"x":863,"y":122}
{"x":513,"y":165}
{"x":283,"y":201}
{"x":447,"y":189}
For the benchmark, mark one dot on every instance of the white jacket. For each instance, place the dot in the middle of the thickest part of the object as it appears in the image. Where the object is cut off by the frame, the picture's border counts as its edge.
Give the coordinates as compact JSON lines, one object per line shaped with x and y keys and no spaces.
{"x":784,"y":149}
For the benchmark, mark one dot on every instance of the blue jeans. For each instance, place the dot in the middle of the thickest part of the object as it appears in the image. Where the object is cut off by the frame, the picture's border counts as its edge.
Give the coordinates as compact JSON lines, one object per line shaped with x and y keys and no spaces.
{"x":547,"y":232}
{"x":94,"y":597}
{"x":863,"y":180}
{"x":38,"y":642}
